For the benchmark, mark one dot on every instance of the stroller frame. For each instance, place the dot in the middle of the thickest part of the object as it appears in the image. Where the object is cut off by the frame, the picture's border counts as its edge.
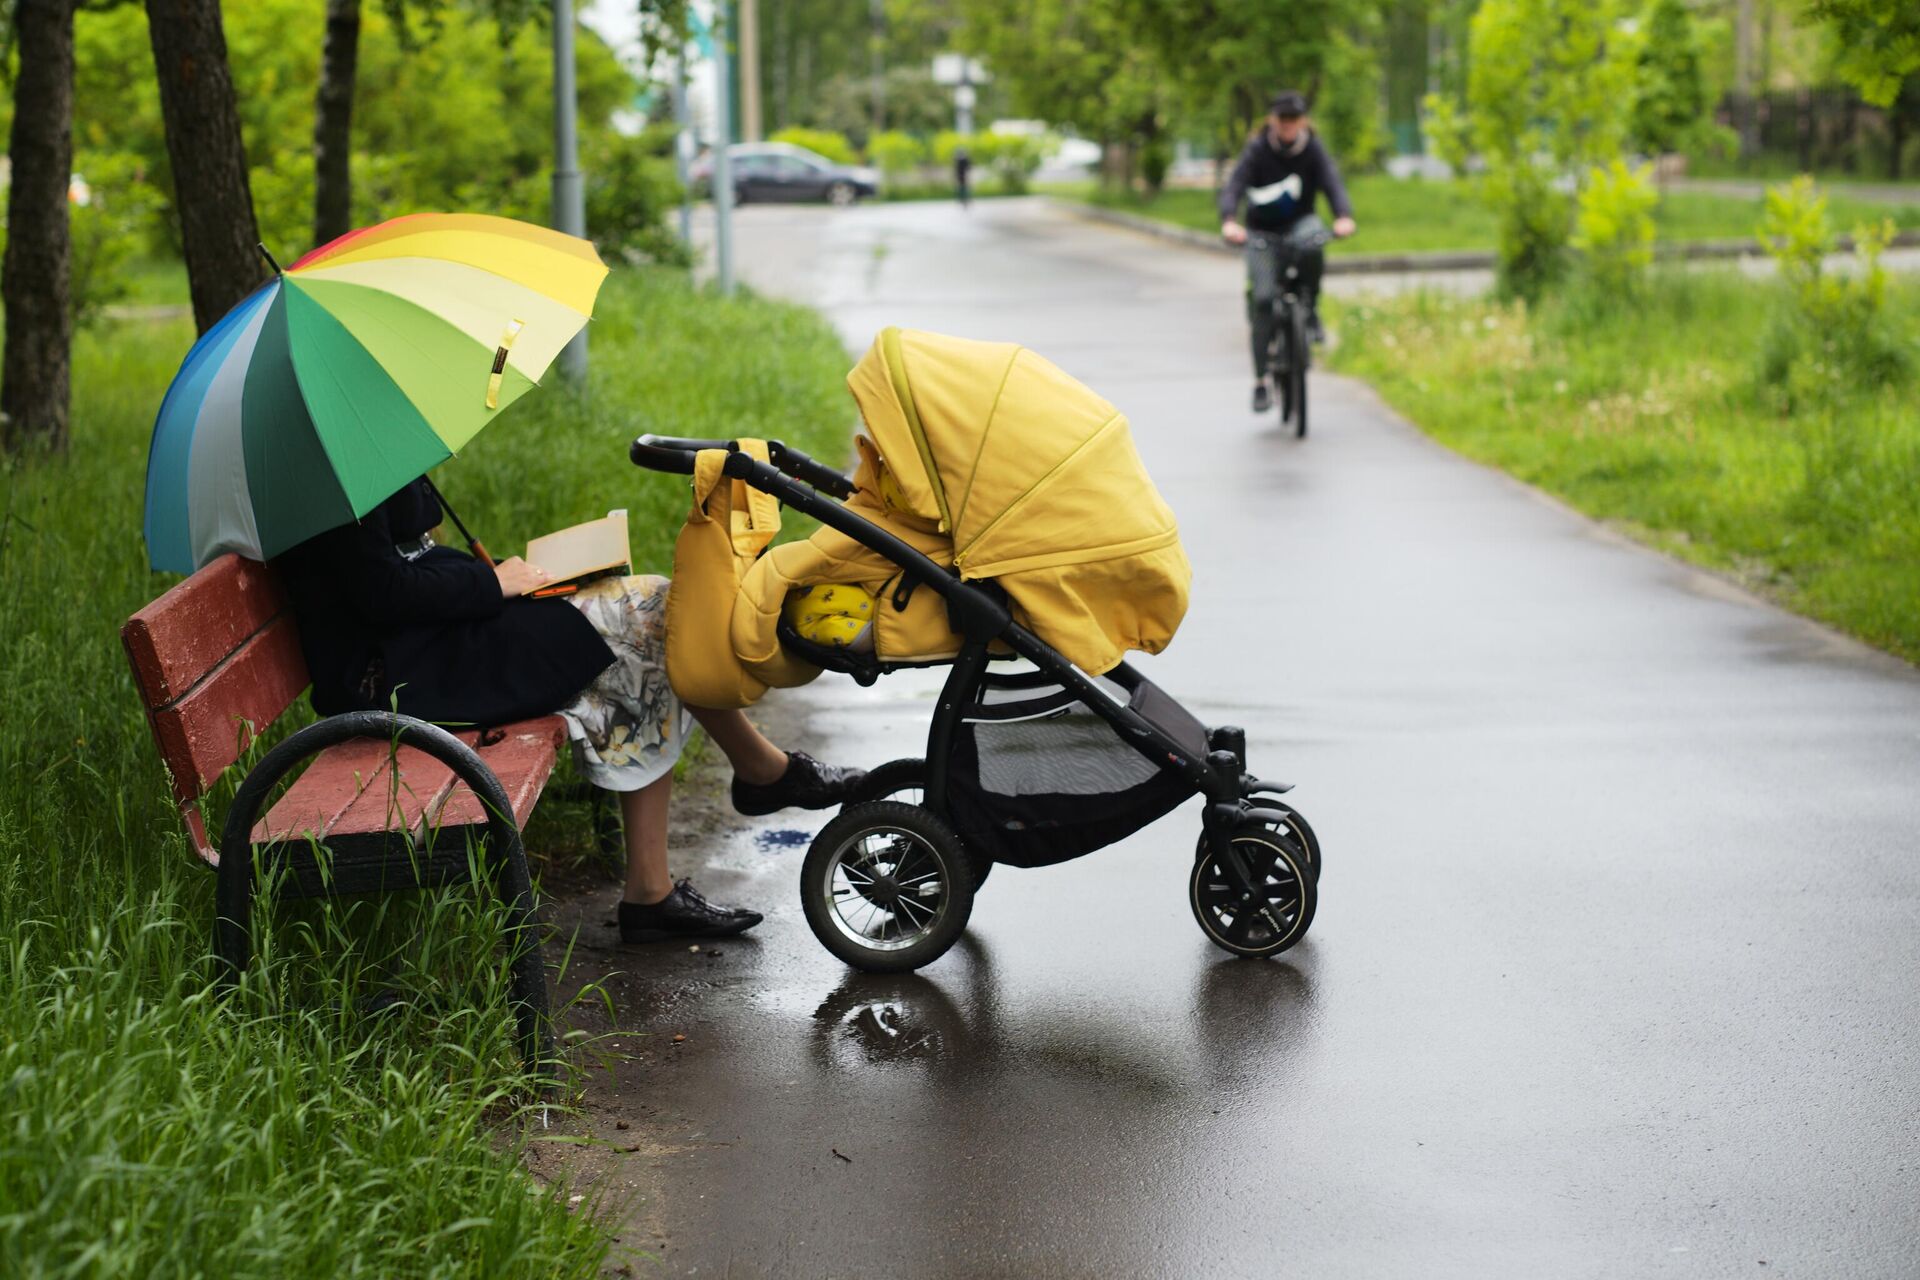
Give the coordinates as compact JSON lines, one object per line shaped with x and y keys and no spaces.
{"x":1236,"y":802}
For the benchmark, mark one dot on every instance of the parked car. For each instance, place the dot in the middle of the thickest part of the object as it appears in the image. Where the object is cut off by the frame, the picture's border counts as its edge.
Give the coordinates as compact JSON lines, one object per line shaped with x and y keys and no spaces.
{"x":770,"y":171}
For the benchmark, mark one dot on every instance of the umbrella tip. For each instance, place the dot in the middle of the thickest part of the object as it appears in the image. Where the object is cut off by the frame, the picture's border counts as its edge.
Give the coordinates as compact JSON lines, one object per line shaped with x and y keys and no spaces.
{"x":269,"y":257}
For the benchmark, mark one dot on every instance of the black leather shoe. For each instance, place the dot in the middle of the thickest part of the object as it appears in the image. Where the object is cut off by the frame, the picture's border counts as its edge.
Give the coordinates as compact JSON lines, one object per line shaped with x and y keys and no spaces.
{"x":807,"y":784}
{"x":1262,"y":397}
{"x":682,"y":914}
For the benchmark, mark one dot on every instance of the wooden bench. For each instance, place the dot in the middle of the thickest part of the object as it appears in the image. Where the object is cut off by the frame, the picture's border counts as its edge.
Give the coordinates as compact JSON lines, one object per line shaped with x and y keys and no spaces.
{"x":385,"y":801}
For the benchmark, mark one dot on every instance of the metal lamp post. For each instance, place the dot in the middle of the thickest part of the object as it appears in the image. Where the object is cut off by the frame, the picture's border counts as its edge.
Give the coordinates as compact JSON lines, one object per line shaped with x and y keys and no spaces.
{"x":569,"y":198}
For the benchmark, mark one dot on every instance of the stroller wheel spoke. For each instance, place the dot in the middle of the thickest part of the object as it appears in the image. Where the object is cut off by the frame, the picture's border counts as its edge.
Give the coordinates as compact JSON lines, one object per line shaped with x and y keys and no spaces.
{"x":918,"y":914}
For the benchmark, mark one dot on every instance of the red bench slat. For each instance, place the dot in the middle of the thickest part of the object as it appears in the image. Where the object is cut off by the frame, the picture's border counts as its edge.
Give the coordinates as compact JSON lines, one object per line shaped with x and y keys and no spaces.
{"x":331,"y":781}
{"x":190,"y":630}
{"x":347,"y":791}
{"x":523,"y":761}
{"x":204,"y":732}
{"x":423,"y":787}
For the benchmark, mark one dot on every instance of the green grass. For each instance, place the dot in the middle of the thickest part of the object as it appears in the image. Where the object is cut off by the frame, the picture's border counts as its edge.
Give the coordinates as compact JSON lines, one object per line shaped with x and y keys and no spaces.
{"x":154,"y":282}
{"x":151,"y":1130}
{"x":1656,"y":416}
{"x":1413,"y":216}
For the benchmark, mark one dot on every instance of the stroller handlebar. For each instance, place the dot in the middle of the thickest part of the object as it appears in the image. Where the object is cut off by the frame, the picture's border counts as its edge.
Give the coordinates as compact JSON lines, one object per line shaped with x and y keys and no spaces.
{"x":675,"y":454}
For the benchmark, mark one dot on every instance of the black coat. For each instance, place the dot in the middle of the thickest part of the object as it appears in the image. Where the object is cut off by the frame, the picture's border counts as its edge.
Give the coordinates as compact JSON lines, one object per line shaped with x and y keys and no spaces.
{"x":432,"y":632}
{"x":1262,"y":169}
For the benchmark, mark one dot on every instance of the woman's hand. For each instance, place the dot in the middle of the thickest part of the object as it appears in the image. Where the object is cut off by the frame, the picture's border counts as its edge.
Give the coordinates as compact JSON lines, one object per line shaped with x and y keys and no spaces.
{"x":517,"y":577}
{"x":1232,"y":232}
{"x":1343,"y":227}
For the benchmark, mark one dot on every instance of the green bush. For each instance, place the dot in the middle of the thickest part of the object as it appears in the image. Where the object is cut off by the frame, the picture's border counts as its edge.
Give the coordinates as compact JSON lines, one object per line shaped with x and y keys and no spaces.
{"x":1830,"y":332}
{"x":108,"y":231}
{"x":896,"y":154}
{"x":1613,"y":228}
{"x":631,"y":190}
{"x":1012,"y":157}
{"x":946,"y":142}
{"x":824,"y":142}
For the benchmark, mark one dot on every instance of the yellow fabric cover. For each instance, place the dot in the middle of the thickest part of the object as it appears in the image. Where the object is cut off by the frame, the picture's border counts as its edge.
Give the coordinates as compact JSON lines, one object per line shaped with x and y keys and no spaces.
{"x":1037,"y":480}
{"x":730,"y":524}
{"x":836,"y":614}
{"x":916,"y":633}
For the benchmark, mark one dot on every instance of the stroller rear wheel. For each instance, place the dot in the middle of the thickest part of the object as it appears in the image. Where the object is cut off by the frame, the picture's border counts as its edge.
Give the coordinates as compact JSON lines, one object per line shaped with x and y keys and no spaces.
{"x":886,"y":886}
{"x":1271,"y":918}
{"x":905,"y":780}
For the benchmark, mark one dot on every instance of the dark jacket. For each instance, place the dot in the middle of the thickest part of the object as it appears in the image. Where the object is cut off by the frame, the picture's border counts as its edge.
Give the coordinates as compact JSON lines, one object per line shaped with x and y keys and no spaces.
{"x":1261,"y":178}
{"x":434,"y":630}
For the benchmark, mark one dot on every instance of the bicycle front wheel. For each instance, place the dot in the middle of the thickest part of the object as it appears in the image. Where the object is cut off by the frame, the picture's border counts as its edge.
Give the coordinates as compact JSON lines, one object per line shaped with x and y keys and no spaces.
{"x":1296,"y":396}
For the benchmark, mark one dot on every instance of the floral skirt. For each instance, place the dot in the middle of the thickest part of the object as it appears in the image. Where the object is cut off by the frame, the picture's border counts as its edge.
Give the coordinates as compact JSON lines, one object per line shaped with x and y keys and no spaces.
{"x":627,"y":727}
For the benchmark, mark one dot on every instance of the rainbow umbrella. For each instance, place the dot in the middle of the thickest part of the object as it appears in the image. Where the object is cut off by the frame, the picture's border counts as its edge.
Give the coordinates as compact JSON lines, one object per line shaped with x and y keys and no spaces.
{"x":353,"y":372}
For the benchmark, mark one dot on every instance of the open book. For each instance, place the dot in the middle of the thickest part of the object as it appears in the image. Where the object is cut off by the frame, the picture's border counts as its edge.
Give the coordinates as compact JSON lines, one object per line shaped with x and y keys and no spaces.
{"x":585,"y":553}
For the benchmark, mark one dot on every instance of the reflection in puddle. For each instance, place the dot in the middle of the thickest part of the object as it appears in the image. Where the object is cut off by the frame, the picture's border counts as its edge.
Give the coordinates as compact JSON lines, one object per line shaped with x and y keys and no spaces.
{"x":879,"y":1020}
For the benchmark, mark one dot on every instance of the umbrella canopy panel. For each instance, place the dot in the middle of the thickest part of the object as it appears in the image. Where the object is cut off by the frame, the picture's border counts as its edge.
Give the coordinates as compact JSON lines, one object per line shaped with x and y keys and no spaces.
{"x":360,"y":368}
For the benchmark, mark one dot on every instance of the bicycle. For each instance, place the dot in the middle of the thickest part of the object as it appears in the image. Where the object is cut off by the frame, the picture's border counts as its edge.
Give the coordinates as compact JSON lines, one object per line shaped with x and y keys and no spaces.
{"x":1290,"y":353}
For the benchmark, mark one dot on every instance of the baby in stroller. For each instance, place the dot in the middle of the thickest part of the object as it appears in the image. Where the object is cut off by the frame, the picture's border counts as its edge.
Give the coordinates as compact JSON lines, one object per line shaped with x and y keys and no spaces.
{"x":1000,"y":523}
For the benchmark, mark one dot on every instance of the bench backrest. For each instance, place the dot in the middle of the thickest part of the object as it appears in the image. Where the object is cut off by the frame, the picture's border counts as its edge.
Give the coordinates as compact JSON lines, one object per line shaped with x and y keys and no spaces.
{"x":217,"y":659}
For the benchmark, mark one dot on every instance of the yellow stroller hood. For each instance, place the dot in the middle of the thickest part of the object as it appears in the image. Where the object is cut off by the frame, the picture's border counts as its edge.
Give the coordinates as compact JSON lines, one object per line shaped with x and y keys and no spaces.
{"x":1036,"y":480}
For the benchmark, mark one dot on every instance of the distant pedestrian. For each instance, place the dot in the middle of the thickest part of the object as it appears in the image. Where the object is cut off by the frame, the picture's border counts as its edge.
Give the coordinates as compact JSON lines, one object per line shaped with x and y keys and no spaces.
{"x":962,"y":169}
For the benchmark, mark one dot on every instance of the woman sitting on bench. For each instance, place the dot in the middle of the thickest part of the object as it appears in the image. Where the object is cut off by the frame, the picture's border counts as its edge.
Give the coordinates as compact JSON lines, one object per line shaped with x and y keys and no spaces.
{"x":387,"y":619}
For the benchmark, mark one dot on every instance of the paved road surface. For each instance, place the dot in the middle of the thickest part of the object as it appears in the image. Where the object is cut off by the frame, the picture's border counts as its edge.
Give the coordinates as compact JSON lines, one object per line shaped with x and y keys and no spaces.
{"x":1615,"y":966}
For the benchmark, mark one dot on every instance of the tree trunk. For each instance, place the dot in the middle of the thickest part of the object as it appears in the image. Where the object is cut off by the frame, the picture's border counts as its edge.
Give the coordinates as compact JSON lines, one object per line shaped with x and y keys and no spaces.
{"x":34,"y":387}
{"x":210,"y":190}
{"x":333,"y":123}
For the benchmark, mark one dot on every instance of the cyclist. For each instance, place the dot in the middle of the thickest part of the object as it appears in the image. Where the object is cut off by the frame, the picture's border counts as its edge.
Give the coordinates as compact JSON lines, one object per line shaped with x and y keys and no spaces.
{"x":1281,"y":172}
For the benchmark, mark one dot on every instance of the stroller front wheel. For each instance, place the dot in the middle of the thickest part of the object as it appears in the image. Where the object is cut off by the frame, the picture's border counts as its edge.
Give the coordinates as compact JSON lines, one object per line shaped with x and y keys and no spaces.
{"x":1278,"y":910}
{"x":1294,"y":827}
{"x":887,"y":887}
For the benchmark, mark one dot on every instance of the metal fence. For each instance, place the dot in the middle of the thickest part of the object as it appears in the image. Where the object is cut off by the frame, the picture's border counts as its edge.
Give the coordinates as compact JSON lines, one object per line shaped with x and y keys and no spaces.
{"x":1827,"y":130}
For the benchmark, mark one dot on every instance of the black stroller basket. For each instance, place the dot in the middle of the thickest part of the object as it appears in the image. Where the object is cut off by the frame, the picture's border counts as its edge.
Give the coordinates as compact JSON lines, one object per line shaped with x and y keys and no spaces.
{"x":1024,"y":768}
{"x":1036,"y":776}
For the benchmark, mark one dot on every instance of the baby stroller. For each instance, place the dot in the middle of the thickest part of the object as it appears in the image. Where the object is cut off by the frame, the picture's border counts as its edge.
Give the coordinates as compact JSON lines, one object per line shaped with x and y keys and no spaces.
{"x":1000,"y":519}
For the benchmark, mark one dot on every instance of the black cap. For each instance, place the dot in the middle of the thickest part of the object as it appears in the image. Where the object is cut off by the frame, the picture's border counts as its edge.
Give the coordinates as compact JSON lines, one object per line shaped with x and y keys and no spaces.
{"x":1288,"y":102}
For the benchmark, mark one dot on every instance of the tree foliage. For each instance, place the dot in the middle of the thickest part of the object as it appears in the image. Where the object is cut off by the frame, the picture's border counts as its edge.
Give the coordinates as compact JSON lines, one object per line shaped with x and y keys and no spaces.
{"x":1077,"y":64}
{"x":1225,"y":58}
{"x":462,"y":121}
{"x":1670,"y":84}
{"x":818,"y":58}
{"x":1549,"y":92}
{"x":1878,"y":43}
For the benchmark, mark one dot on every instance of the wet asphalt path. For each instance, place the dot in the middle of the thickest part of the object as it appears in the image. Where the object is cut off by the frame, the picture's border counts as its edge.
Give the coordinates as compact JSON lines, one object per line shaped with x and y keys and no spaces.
{"x":1615,"y":967}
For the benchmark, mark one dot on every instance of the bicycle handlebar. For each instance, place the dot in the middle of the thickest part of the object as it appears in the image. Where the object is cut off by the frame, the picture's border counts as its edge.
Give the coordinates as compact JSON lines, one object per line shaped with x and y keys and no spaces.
{"x":1318,"y":238}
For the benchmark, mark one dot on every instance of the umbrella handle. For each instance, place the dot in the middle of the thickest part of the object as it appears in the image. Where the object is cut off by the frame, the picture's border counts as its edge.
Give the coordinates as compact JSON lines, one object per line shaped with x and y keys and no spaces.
{"x":479,"y":552}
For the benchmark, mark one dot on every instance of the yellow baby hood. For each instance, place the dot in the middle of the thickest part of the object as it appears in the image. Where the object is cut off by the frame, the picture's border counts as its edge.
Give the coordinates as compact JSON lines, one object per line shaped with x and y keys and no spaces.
{"x":1036,"y":481}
